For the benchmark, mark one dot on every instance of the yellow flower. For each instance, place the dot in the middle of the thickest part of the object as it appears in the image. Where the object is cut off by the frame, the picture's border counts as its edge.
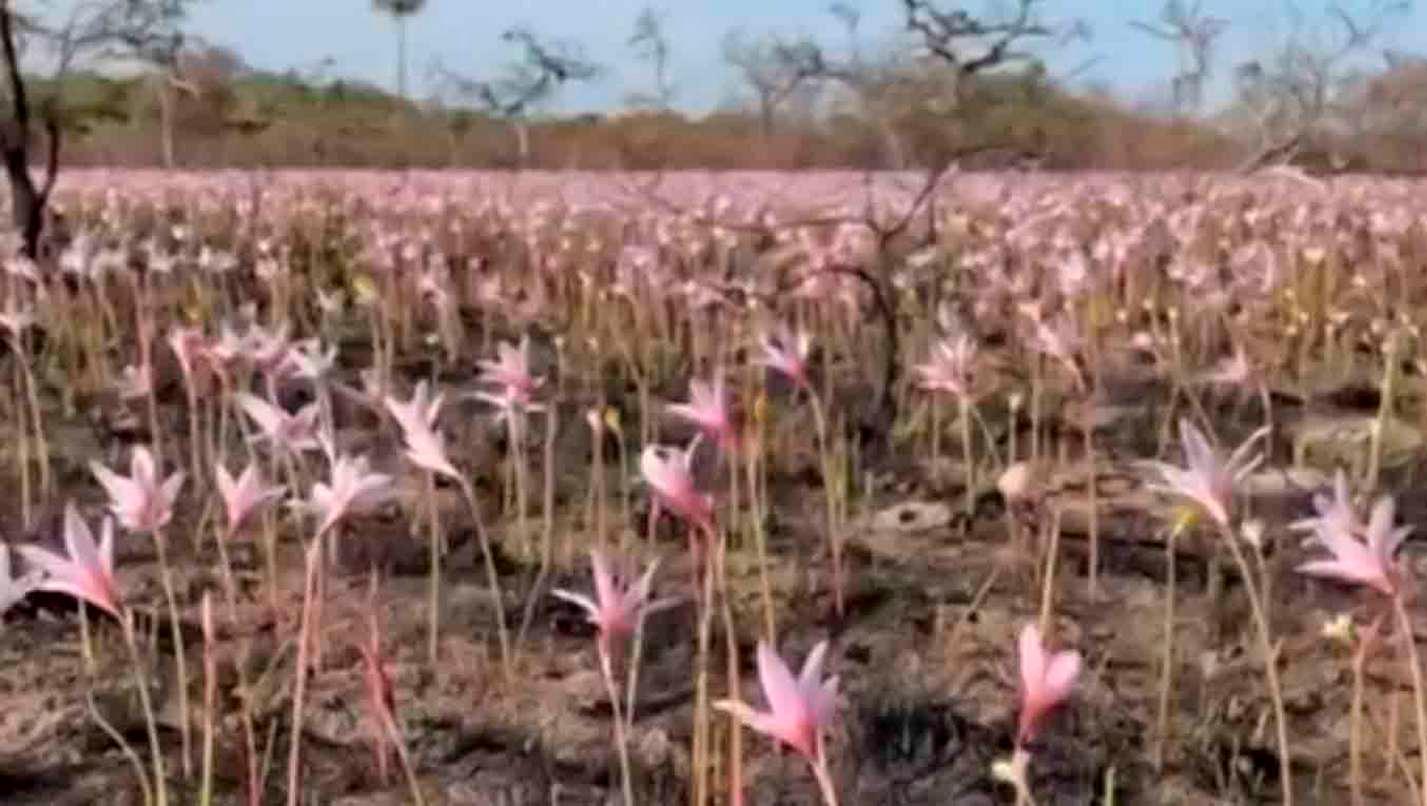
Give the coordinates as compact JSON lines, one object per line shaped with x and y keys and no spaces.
{"x":1340,"y":629}
{"x":364,"y":290}
{"x":1186,"y":516}
{"x":611,"y":420}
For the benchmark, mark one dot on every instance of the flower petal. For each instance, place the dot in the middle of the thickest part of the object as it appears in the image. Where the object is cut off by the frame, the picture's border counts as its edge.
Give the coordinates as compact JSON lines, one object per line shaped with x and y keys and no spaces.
{"x":782,"y":691}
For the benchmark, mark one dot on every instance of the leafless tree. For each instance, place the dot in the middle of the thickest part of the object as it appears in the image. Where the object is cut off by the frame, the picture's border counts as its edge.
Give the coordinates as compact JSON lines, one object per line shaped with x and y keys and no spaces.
{"x":1293,"y":96}
{"x":770,"y":66}
{"x":73,"y":34}
{"x":167,"y":81}
{"x":870,"y":84}
{"x":651,"y":45}
{"x":971,"y":44}
{"x":1193,"y":34}
{"x":542,"y":69}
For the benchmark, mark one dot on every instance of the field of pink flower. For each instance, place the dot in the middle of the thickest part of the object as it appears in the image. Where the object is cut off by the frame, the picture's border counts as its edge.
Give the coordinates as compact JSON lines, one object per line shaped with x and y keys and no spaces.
{"x":474,"y":488}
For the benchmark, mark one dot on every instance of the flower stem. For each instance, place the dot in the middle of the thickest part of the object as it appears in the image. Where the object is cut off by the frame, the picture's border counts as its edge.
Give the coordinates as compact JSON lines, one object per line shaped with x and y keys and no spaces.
{"x":151,"y":724}
{"x":829,"y":475}
{"x":492,"y":579}
{"x":1355,"y":720}
{"x":824,"y":776}
{"x":180,"y":661}
{"x":1266,"y":648}
{"x":294,"y":757}
{"x":1409,"y":641}
{"x":621,"y":739}
{"x":968,"y":459}
{"x":1166,"y":679}
{"x":433,"y":635}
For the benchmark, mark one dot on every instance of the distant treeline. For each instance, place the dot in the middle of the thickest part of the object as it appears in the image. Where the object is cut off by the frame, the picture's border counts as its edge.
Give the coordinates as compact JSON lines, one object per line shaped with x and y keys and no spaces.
{"x":226,"y":116}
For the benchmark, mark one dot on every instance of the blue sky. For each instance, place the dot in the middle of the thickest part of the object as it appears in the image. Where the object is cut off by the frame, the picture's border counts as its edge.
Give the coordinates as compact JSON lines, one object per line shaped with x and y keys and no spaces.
{"x":301,"y":34}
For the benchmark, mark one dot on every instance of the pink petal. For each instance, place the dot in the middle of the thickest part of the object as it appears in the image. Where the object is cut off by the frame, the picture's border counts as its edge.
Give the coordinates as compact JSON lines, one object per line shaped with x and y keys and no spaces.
{"x":605,"y":593}
{"x":1032,"y":659}
{"x":78,"y":540}
{"x":1336,"y":569}
{"x":1380,"y":521}
{"x":784,"y":696}
{"x":106,"y":546}
{"x":121,"y":490}
{"x":171,"y":487}
{"x":758,"y":721}
{"x":141,"y":466}
{"x":44,"y":560}
{"x":579,"y":600}
{"x":1060,"y":676}
{"x":810,"y":680}
{"x":227,"y":487}
{"x":1198,"y":455}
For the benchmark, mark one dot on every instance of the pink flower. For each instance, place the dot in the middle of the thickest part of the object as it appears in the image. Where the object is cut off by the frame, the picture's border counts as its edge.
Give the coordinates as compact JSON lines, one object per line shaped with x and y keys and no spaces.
{"x":286,"y":432}
{"x":352,"y":489}
{"x":87,"y":573}
{"x":244,"y":497}
{"x":618,"y":605}
{"x":268,"y":352}
{"x":225,"y":350}
{"x":187,"y":344}
{"x":421,"y":411}
{"x":672,"y":480}
{"x":417,"y":418}
{"x":1046,"y":681}
{"x":1209,"y":480}
{"x":708,"y":409}
{"x":1335,"y":514}
{"x":1059,"y":340}
{"x":1362,"y":555}
{"x":141,"y":501}
{"x":511,"y":371}
{"x":787,"y":352}
{"x":799,"y":708}
{"x":309,"y":361}
{"x":949,"y":368}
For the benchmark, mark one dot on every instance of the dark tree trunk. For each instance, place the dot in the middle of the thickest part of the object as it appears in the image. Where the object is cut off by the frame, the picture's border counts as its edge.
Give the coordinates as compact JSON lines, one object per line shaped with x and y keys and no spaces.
{"x":27,"y":212}
{"x":27,"y":199}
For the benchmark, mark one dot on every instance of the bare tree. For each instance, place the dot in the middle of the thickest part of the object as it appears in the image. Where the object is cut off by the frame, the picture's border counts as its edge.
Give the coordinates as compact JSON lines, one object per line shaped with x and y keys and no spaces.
{"x":167,"y":82}
{"x":95,"y":31}
{"x":1293,"y":96}
{"x":541,"y":70}
{"x":1192,"y":33}
{"x":875,"y":87}
{"x":771,"y":67}
{"x":401,"y":11}
{"x":972,"y":44}
{"x":651,"y":45}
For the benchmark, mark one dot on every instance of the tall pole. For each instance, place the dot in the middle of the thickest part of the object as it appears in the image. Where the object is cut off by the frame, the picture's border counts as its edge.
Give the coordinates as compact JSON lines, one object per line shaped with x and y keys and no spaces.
{"x":401,"y":56}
